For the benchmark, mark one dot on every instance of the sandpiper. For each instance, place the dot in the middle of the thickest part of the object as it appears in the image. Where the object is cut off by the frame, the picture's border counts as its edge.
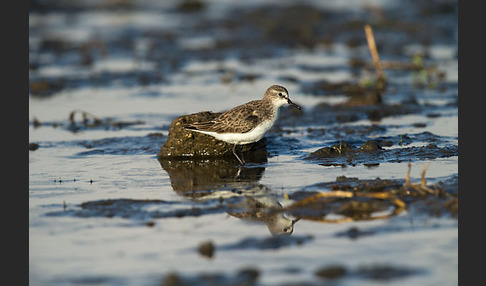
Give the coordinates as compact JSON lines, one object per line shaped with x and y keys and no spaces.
{"x":246,"y":123}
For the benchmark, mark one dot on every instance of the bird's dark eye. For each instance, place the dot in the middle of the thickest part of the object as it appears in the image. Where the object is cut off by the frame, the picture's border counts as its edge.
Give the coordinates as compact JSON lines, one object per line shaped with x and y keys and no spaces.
{"x":280,"y":94}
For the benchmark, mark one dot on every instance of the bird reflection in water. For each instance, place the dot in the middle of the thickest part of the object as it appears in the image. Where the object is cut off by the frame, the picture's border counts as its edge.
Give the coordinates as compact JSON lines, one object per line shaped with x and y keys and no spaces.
{"x":224,"y":179}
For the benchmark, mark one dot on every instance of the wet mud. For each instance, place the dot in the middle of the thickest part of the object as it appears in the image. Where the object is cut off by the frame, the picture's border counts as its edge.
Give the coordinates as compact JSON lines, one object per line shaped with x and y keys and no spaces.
{"x":371,"y":153}
{"x":375,"y":124}
{"x":235,"y":191}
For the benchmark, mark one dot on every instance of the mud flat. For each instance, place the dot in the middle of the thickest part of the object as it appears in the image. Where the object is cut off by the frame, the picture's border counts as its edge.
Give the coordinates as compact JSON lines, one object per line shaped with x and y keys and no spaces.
{"x":360,"y":187}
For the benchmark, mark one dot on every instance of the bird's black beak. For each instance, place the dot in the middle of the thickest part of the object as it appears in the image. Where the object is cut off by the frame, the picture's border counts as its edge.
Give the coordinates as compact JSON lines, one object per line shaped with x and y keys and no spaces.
{"x":293,"y":104}
{"x":294,"y":221}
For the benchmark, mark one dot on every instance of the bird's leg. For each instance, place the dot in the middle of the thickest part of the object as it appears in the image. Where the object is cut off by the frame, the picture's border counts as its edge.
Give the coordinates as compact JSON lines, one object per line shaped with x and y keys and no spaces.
{"x":234,"y":153}
{"x":238,"y":173}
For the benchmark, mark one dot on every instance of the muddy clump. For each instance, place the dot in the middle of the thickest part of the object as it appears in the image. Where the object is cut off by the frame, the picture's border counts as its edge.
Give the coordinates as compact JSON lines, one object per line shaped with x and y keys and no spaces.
{"x":331,"y":272}
{"x":344,"y":148}
{"x":343,"y":153}
{"x":206,"y":249}
{"x":371,"y":153}
{"x":182,"y":143}
{"x":33,"y":146}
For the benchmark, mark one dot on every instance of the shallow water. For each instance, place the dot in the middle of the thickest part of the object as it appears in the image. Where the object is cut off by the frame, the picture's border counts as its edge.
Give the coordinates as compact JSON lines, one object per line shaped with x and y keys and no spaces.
{"x":104,"y":211}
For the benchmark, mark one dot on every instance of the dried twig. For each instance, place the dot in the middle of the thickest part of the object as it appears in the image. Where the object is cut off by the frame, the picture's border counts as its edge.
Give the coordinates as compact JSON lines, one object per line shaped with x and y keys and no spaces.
{"x":399,"y":204}
{"x":85,"y":117}
{"x":421,"y":188}
{"x":374,"y":53}
{"x":407,"y":176}
{"x":423,"y":182}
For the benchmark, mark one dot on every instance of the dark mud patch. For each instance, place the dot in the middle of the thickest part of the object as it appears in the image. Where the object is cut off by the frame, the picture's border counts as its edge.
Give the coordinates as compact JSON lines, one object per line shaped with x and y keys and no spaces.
{"x":135,"y":209}
{"x":126,"y":145}
{"x":33,"y":146}
{"x":386,"y":272}
{"x":352,"y":134}
{"x":206,"y":249}
{"x":331,"y":272}
{"x":43,"y":86}
{"x":46,"y":87}
{"x":327,"y":274}
{"x":382,"y":273}
{"x":245,"y":276}
{"x":357,"y":94}
{"x":354,"y":233}
{"x":273,"y":242}
{"x":354,"y":184}
{"x":371,"y":153}
{"x":123,"y":145}
{"x":90,"y":280}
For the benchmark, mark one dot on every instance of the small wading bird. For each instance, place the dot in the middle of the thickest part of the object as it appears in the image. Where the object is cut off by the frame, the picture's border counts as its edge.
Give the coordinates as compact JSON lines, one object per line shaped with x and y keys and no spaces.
{"x":246,"y":123}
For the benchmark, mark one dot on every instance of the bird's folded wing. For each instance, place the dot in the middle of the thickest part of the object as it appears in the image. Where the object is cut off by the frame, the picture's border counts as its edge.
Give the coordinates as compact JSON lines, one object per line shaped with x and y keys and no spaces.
{"x":240,"y":119}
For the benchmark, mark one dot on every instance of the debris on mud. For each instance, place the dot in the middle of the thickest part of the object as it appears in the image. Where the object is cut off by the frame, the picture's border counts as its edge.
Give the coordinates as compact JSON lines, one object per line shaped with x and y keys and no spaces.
{"x":348,"y":206}
{"x":354,"y":200}
{"x":183,"y":144}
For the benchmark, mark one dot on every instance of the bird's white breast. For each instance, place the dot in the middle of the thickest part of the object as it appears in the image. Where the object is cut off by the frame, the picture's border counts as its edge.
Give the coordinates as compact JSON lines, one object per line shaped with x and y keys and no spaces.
{"x":254,"y":135}
{"x":249,"y":137}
